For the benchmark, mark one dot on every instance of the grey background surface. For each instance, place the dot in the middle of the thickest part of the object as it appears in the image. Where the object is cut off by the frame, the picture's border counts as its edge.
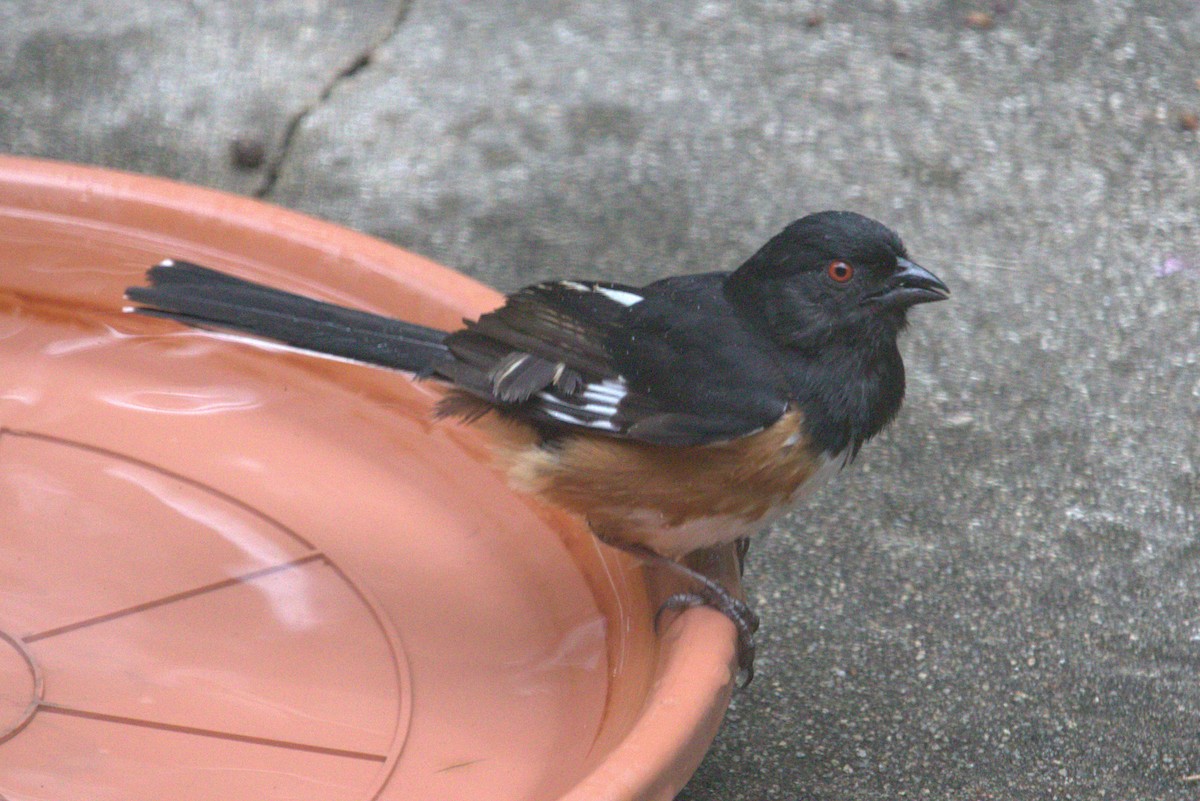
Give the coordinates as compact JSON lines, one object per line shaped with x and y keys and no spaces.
{"x":1002,"y":599}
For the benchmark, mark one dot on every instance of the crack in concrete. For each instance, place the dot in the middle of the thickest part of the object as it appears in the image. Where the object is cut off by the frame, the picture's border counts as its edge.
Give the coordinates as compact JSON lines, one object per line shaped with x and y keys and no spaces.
{"x":361,"y":62}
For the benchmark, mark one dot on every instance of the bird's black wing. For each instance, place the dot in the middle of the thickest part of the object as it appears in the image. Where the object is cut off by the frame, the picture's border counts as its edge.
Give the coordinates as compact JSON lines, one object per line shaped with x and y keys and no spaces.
{"x":666,"y":364}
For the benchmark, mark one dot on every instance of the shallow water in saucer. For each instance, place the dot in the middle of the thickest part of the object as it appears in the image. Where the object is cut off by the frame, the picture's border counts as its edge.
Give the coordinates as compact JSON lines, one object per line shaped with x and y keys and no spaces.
{"x":229,"y":571}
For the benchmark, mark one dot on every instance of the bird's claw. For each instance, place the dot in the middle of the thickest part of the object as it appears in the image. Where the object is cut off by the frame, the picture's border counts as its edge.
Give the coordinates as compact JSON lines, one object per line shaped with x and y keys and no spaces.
{"x":743,"y":617}
{"x":708,"y":592}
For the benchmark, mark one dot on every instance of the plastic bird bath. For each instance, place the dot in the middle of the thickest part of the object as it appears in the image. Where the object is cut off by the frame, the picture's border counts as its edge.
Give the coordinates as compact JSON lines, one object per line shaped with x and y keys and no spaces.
{"x":229,"y":571}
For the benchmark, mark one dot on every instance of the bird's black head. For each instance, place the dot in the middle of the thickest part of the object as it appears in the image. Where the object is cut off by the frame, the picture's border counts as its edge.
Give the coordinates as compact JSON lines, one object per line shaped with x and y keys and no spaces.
{"x":834,"y":274}
{"x":833,"y":289}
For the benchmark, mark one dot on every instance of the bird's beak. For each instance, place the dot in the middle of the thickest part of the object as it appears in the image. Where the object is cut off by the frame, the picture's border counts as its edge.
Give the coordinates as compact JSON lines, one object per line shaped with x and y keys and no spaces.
{"x":912,"y":284}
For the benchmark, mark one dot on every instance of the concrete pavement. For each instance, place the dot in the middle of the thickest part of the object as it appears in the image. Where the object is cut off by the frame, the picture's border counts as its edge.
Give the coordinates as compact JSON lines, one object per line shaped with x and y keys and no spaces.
{"x":1002,"y":599}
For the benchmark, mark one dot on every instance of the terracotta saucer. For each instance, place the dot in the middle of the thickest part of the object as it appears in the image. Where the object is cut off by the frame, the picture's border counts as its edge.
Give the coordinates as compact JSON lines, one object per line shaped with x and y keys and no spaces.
{"x":229,"y":571}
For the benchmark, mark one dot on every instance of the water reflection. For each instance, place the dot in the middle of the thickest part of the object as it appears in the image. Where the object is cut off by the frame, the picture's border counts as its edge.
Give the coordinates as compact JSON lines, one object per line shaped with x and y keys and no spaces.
{"x":289,"y":594}
{"x":207,"y":399}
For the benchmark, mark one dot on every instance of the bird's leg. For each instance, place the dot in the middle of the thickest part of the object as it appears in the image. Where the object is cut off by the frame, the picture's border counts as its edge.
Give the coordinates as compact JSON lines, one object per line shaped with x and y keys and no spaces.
{"x":708,"y":592}
{"x":742,"y":545}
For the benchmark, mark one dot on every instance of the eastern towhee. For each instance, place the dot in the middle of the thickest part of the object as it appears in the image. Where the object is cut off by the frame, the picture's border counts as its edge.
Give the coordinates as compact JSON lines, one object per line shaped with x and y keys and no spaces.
{"x":683,"y":414}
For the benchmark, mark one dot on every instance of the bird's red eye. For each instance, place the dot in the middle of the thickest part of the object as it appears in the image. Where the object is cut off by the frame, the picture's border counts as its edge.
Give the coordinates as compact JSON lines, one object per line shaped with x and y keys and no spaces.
{"x":840,"y":271}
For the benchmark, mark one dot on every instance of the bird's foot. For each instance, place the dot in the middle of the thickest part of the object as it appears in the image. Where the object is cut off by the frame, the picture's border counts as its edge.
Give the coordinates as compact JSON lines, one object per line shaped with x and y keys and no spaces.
{"x":707,"y":592}
{"x":743,"y":617}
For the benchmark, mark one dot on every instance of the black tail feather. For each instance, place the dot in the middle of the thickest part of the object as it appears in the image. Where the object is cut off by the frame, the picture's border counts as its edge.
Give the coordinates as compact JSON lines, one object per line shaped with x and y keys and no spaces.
{"x":206,"y":298}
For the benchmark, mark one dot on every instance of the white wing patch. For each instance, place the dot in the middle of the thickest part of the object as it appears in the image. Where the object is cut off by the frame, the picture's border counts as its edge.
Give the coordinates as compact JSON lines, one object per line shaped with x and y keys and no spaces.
{"x":594,"y":407}
{"x":566,"y":417}
{"x":620,"y":296}
{"x":607,"y":391}
{"x":624,"y":297}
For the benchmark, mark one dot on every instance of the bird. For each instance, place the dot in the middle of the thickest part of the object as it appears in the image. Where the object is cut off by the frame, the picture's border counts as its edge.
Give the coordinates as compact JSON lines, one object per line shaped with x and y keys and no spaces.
{"x":683,"y":414}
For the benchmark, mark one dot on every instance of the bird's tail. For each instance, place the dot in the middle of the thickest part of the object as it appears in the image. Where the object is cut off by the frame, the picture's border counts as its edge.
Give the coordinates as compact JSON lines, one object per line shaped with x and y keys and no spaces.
{"x":207,"y":298}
